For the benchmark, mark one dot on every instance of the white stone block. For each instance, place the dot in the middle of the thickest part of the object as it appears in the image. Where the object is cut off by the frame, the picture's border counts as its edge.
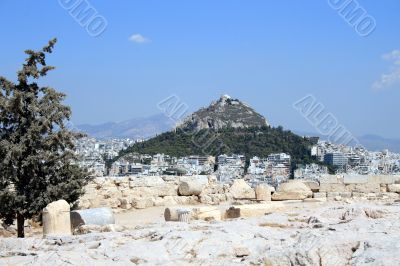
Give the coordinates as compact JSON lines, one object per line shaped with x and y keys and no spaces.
{"x":56,"y":219}
{"x":355,"y":179}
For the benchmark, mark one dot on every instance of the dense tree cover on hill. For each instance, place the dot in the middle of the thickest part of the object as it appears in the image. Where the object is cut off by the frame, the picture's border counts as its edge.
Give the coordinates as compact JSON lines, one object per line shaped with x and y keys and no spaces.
{"x":257,"y":141}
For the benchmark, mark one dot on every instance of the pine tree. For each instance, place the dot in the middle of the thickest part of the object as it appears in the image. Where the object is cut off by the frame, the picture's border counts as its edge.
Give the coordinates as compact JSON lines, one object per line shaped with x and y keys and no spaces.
{"x":37,"y":162}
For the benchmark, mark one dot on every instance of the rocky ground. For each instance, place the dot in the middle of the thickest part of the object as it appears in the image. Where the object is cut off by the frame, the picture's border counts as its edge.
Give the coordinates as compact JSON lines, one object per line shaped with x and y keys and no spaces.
{"x":332,"y":233}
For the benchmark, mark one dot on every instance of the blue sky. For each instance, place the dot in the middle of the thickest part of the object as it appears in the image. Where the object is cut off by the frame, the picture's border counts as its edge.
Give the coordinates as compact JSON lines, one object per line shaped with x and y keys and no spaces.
{"x":266,"y":53}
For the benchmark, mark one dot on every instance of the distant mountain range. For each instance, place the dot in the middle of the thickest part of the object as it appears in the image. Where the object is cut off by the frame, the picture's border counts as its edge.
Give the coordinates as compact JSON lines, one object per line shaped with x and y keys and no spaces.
{"x":137,"y":128}
{"x":370,"y":142}
{"x":374,"y":143}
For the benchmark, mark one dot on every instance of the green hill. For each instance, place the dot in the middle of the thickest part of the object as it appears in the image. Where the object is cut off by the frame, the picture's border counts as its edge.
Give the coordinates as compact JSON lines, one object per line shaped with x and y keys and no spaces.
{"x":252,"y":141}
{"x":226,"y":126}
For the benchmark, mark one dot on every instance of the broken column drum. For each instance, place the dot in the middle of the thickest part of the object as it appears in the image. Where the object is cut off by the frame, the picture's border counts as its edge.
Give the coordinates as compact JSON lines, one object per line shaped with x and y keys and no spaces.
{"x":56,"y":219}
{"x":98,"y":216}
{"x":190,"y":188}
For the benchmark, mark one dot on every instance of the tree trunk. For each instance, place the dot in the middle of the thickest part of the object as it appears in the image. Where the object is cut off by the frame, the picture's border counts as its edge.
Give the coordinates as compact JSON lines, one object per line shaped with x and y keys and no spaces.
{"x":20,"y":225}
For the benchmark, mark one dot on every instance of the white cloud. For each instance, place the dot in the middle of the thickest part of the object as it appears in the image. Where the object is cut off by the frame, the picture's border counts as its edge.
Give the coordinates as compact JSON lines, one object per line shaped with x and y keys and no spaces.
{"x":392,"y":78}
{"x":393,"y":56}
{"x":387,"y":80}
{"x":138,"y":38}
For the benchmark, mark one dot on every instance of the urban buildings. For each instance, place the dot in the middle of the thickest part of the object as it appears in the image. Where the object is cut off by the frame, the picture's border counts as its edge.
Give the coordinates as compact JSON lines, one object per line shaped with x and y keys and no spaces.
{"x":161,"y":164}
{"x":230,"y":167}
{"x":357,"y":160}
{"x":274,"y":169}
{"x":336,"y":159}
{"x":93,"y":153}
